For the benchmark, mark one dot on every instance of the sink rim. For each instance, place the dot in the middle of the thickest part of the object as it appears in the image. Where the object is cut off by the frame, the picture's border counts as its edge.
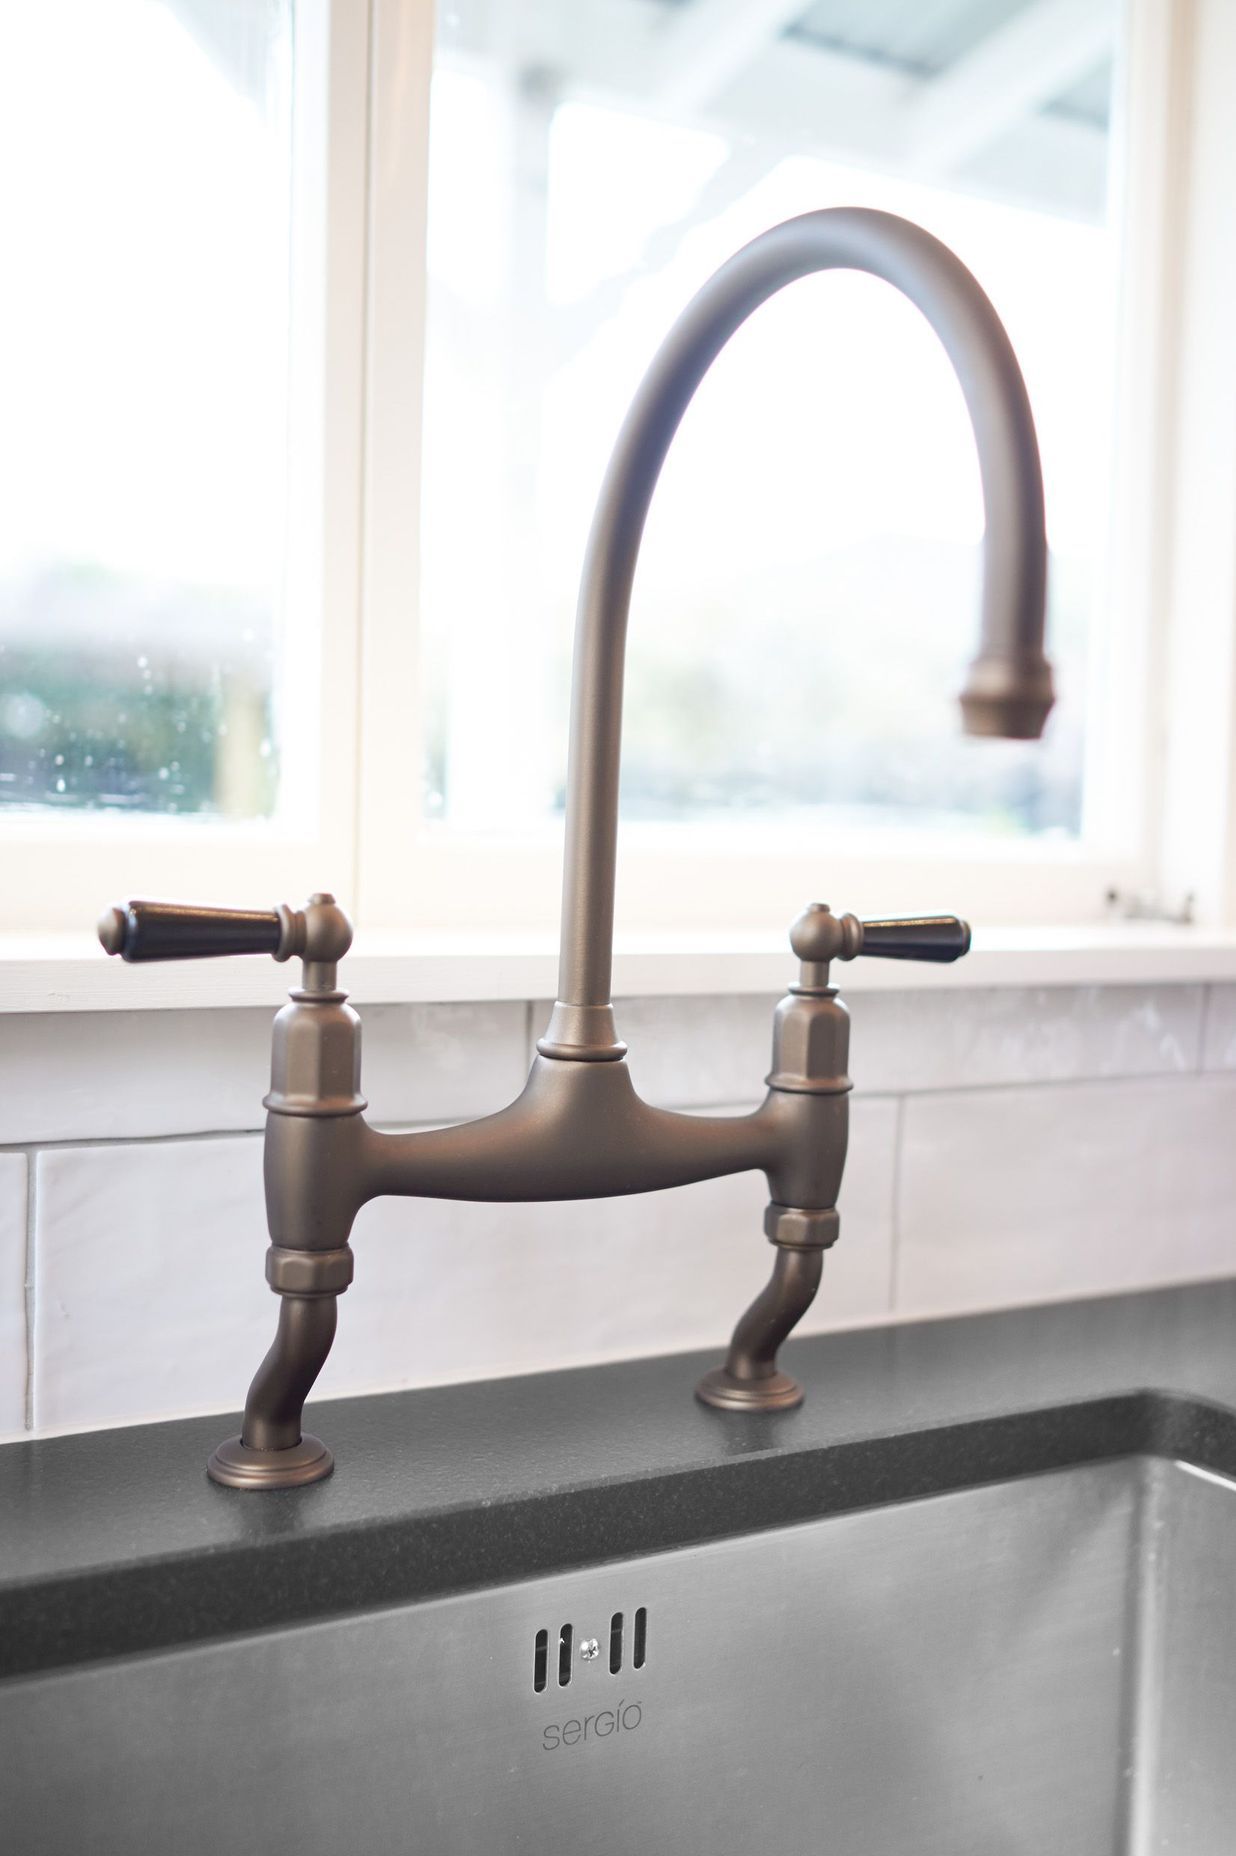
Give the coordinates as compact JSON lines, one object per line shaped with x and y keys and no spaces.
{"x":113,"y":1543}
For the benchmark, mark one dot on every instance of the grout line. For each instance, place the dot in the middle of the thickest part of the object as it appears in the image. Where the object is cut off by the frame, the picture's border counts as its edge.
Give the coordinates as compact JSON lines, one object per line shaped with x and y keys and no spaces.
{"x":720,"y":1106}
{"x":31,"y":1212}
{"x":1203,"y":1029}
{"x":127,"y":1140}
{"x":894,"y":1260}
{"x":34,"y":1148}
{"x":961,"y":1088}
{"x":727,"y":1104}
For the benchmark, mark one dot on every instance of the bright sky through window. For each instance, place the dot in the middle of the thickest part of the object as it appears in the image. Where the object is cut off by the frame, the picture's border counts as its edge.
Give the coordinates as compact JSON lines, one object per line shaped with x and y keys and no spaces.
{"x":136,"y":362}
{"x":819,"y":516}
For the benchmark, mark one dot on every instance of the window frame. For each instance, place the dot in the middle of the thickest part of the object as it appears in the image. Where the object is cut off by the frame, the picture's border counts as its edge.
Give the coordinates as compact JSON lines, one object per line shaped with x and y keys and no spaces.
{"x":405,"y":876}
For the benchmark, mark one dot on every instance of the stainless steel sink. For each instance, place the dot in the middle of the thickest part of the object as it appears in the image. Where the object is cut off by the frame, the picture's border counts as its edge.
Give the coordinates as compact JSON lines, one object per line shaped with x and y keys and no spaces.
{"x":1045,"y":1665}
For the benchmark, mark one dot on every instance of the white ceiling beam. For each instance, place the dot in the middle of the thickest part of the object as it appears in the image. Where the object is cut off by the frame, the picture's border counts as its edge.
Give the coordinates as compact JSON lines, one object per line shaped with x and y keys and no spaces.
{"x":701,"y":51}
{"x":1017,"y":68}
{"x":809,"y":102}
{"x":742,"y":170}
{"x":794,"y":97}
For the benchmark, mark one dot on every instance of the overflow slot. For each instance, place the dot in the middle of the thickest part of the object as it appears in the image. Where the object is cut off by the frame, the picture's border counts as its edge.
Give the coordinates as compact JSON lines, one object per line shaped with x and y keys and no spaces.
{"x":641,"y":1638}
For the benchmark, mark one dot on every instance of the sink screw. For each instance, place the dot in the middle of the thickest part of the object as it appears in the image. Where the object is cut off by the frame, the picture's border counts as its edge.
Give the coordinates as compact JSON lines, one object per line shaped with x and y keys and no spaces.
{"x":589,"y":1650}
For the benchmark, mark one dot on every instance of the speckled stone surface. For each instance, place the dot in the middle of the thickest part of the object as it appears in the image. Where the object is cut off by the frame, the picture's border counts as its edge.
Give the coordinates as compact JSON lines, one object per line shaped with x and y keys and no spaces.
{"x":114,"y":1542}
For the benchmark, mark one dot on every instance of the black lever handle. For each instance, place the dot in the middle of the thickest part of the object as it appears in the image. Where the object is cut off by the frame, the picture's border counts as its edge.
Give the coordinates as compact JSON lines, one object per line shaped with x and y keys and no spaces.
{"x":819,"y":936}
{"x":939,"y":938}
{"x":182,"y":931}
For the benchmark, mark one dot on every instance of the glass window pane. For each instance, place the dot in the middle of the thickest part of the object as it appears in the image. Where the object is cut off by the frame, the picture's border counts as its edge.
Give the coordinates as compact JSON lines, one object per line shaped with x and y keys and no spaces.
{"x":145,"y":216}
{"x":807,"y":593}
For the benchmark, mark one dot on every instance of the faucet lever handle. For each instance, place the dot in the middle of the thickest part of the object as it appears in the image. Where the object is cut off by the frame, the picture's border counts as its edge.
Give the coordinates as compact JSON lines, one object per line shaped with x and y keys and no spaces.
{"x":183,"y":931}
{"x":137,"y":931}
{"x":939,"y":938}
{"x":819,"y":936}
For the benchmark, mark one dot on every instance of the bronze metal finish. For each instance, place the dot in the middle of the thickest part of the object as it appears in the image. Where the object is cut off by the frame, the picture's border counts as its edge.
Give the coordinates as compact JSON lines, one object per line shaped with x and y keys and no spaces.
{"x":750,"y":1379}
{"x":236,"y":1466}
{"x":578,"y":1130}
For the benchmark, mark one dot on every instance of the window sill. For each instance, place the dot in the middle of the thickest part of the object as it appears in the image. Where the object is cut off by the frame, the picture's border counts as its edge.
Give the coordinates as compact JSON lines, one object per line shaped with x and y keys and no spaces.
{"x":68,"y":973}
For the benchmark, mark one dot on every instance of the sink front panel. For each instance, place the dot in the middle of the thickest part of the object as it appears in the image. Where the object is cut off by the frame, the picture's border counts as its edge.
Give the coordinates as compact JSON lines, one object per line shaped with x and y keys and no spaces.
{"x":946,"y":1676}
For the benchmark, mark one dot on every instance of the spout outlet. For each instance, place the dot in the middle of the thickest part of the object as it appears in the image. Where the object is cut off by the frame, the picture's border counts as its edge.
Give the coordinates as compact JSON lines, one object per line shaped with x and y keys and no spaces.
{"x":1009,"y":697}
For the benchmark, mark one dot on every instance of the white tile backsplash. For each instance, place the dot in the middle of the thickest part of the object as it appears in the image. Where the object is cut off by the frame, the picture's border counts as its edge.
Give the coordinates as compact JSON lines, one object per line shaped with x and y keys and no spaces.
{"x":1040,"y":1144}
{"x":448,"y":1291}
{"x":150,"y":1297}
{"x":126,"y":1075}
{"x":442,"y":1062}
{"x":13,"y":1353}
{"x":698,"y":1053}
{"x":69,"y":1076}
{"x":149,"y":1293}
{"x":904,"y":1042}
{"x":688,"y":1052}
{"x":1025,"y":1195}
{"x":1219,"y":1043}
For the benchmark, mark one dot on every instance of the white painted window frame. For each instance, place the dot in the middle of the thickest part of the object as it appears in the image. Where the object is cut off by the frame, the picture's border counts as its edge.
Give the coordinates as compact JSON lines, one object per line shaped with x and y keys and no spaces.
{"x":1159,"y":798}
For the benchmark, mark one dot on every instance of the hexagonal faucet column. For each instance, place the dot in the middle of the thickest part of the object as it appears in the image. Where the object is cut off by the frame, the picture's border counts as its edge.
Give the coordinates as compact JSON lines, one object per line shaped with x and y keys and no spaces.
{"x":811,"y":1050}
{"x":312,"y":1196}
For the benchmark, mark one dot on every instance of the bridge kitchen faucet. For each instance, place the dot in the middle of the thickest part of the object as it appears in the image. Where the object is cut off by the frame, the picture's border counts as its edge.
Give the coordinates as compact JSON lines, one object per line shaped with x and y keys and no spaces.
{"x":578,"y":1130}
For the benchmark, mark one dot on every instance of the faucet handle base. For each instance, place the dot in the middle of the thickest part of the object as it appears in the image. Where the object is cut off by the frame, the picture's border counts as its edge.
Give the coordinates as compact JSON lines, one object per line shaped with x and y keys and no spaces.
{"x":724,"y":1392}
{"x":237,"y":1466}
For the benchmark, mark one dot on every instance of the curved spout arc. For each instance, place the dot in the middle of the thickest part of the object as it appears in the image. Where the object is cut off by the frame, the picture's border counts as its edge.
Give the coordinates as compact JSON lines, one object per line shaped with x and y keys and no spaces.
{"x":1010,"y":686}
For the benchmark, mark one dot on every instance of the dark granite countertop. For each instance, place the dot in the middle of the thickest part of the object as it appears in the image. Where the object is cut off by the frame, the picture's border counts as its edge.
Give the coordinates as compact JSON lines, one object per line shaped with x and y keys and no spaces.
{"x":114,"y":1542}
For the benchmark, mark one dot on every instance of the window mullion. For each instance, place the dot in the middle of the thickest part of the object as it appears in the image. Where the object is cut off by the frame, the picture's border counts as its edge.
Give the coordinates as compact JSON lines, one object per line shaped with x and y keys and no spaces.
{"x":1198,"y":813}
{"x":389,"y":749}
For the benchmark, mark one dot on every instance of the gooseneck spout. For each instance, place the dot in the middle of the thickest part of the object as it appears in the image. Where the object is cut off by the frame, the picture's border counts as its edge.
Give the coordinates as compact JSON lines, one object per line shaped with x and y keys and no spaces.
{"x":1008,"y":691}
